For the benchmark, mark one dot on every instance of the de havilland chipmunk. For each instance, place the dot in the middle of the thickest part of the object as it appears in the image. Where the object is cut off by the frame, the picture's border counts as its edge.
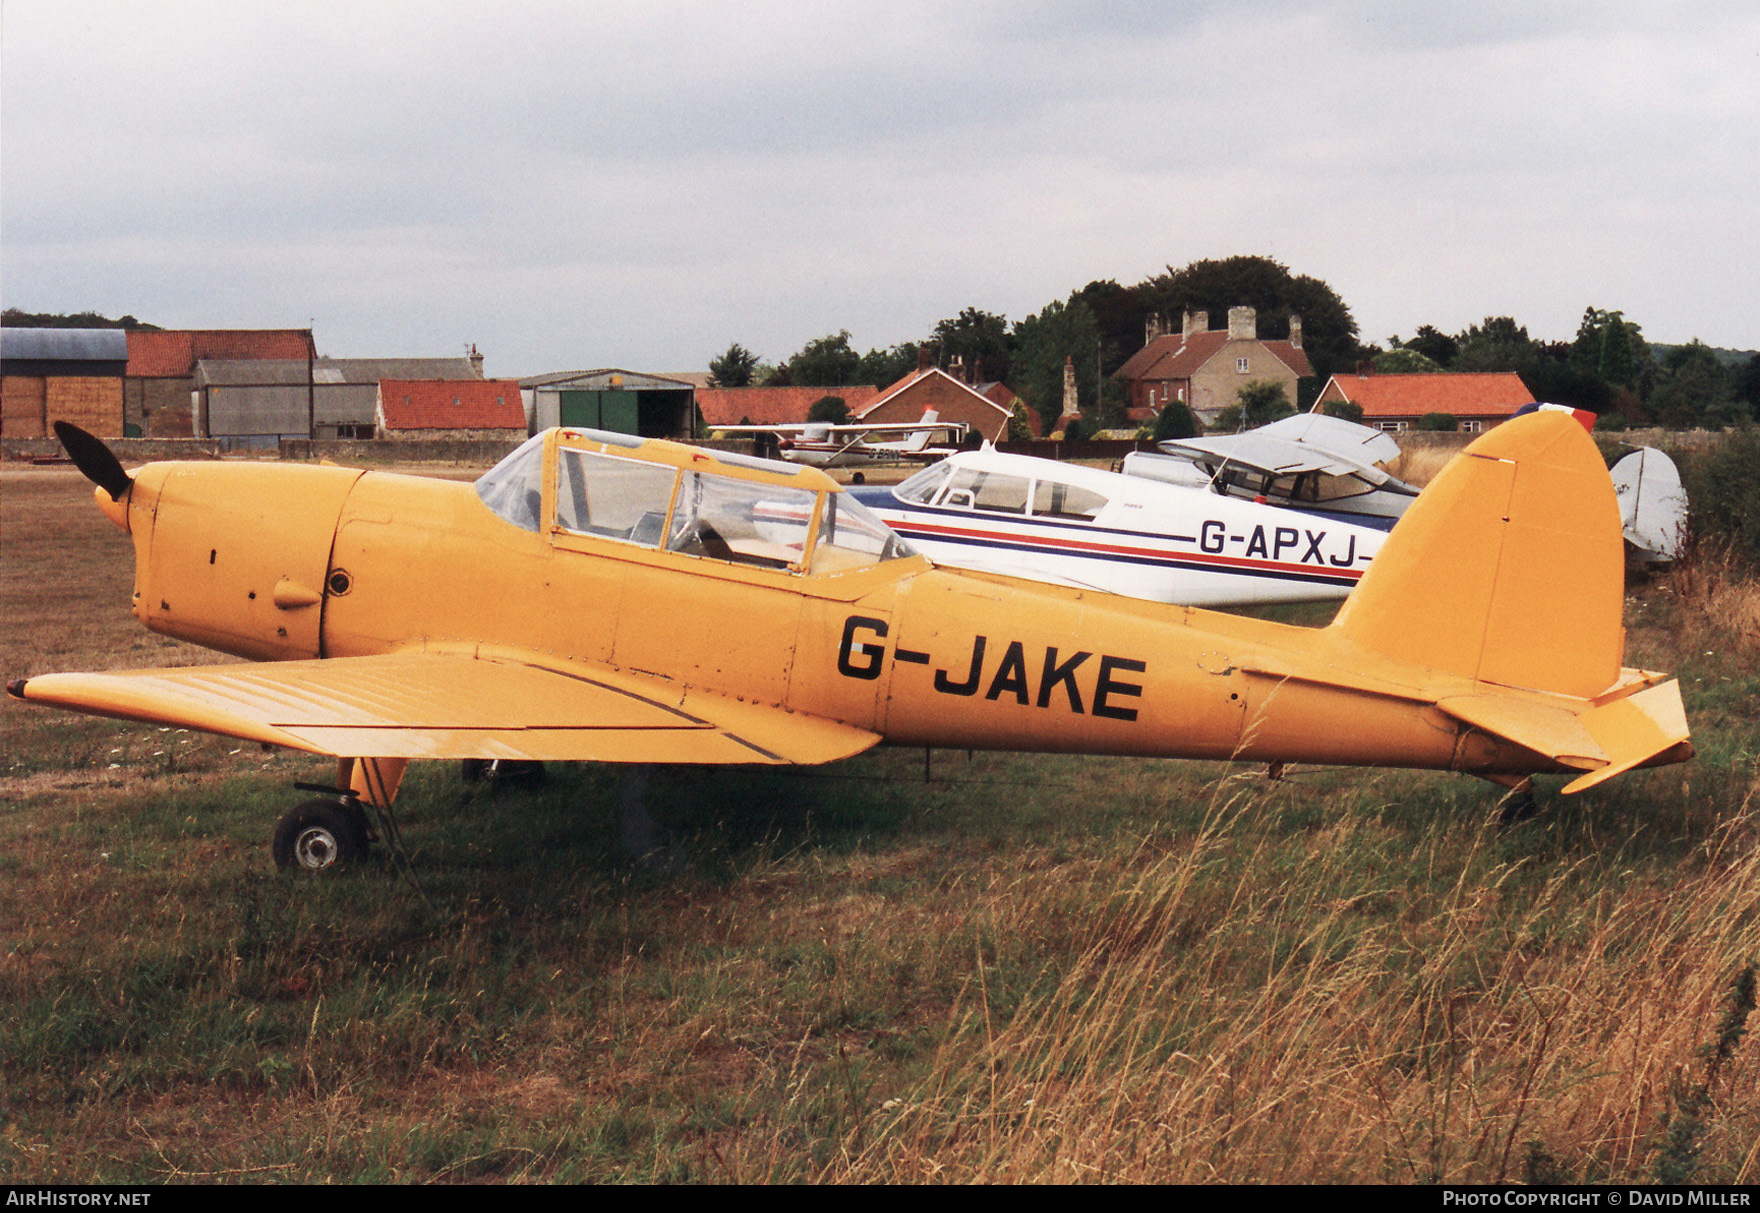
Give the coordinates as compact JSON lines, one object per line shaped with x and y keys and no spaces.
{"x":601,"y":597}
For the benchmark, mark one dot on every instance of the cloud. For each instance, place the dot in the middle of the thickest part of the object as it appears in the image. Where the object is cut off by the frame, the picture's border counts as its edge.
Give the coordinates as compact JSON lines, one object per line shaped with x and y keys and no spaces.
{"x":643,"y":183}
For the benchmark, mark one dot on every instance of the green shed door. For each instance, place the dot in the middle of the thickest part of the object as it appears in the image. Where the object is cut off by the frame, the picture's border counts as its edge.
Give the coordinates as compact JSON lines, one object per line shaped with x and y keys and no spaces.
{"x":578,"y":409}
{"x":617,"y":412}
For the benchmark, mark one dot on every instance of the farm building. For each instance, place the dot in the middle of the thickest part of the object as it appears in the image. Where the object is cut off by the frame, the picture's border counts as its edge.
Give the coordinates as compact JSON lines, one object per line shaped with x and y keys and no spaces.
{"x":450,"y":408}
{"x":1396,"y":402}
{"x":625,"y":402}
{"x":49,"y":375}
{"x":775,"y":405}
{"x":254,"y":403}
{"x":1205,"y":368}
{"x":160,"y":383}
{"x":933,"y":388}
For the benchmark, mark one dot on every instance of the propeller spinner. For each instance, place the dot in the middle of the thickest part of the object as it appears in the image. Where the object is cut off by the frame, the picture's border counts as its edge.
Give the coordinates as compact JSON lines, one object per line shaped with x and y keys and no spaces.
{"x":97,"y":461}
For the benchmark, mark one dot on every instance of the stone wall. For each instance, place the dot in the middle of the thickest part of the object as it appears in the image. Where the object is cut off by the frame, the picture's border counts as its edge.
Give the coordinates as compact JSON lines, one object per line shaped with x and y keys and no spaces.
{"x":129,"y":450}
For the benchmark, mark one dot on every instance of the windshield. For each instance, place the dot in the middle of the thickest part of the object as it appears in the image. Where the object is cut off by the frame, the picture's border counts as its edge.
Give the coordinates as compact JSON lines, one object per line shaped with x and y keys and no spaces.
{"x":513,"y":488}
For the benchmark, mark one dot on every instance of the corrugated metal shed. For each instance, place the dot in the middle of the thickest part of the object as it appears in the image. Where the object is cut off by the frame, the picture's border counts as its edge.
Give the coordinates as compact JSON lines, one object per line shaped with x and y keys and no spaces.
{"x":64,"y":345}
{"x":271,"y":396}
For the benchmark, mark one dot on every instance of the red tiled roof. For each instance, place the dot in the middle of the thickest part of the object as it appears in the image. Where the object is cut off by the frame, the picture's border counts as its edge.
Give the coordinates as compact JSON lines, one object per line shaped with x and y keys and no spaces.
{"x":173,"y":354}
{"x":774,"y":405}
{"x":451,"y":404}
{"x":1176,"y":356}
{"x":1493,"y":394}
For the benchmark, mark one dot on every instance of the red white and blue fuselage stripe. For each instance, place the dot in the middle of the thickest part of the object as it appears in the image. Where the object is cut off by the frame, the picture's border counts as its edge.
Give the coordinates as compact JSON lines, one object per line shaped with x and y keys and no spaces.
{"x":1269,"y":556}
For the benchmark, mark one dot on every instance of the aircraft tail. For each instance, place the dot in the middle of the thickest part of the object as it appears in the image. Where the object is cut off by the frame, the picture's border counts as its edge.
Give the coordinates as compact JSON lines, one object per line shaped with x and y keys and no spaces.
{"x":1508,"y":569}
{"x":919,"y":441}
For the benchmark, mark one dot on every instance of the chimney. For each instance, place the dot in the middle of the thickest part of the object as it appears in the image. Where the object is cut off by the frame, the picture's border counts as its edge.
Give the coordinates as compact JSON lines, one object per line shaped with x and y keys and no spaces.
{"x":1295,"y":331}
{"x":1243,"y":324}
{"x":1071,"y":410}
{"x":1152,"y":327}
{"x":1365,"y":368}
{"x":476,"y":361}
{"x":1195,"y":322}
{"x":922,"y":359}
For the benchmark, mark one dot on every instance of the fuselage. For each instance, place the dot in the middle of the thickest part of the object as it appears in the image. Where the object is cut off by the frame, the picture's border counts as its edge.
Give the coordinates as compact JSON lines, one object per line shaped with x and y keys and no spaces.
{"x":1078,"y":526}
{"x":282,"y":562}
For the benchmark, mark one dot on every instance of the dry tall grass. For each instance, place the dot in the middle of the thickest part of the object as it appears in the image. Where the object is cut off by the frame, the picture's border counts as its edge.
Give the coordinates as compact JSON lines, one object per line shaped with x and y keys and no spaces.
{"x":1220,"y":1027}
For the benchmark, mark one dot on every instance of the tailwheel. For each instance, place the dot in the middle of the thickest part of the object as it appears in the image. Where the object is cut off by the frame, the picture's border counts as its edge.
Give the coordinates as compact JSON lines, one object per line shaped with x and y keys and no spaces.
{"x":1518,"y":804}
{"x":321,"y":835}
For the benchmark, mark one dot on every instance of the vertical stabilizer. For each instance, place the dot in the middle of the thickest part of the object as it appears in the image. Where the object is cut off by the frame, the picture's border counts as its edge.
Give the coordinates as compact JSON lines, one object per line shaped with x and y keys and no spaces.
{"x":1509,"y":568}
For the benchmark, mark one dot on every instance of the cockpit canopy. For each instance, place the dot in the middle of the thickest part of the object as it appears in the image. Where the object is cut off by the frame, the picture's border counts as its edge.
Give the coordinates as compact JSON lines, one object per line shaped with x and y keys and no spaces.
{"x":663,"y":495}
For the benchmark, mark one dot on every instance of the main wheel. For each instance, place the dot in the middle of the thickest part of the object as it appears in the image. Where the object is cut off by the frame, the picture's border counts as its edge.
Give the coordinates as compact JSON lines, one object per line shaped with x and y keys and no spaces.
{"x":317,"y":836}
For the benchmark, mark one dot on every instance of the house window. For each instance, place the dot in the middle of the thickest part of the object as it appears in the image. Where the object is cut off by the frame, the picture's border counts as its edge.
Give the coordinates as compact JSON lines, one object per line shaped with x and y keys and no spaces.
{"x":1240,"y":364}
{"x":1471,"y":427}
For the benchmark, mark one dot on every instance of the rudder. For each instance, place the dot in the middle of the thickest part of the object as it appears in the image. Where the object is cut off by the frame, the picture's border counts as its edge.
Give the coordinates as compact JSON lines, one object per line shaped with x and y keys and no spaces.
{"x":1509,"y":568}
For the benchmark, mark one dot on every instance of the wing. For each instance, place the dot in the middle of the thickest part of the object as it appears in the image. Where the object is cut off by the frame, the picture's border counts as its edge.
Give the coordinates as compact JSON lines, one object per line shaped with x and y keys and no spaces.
{"x":455,"y":705}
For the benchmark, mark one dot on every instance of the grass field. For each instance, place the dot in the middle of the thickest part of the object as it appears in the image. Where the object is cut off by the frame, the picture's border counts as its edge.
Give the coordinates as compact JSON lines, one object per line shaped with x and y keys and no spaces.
{"x":1020,"y":968}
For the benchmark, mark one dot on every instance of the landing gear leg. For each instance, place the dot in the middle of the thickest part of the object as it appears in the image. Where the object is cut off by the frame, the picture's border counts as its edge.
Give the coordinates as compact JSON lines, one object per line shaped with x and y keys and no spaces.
{"x":1518,"y":804}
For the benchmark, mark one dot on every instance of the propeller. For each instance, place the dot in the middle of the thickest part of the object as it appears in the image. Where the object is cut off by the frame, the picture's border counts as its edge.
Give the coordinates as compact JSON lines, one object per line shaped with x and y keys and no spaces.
{"x":97,"y":461}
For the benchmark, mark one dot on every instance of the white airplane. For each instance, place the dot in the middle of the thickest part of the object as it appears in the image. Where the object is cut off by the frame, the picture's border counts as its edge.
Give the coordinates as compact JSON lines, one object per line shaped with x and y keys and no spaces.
{"x":1652,"y":505}
{"x":1328,"y":465}
{"x":1093,"y":529}
{"x":824,"y":445}
{"x":1311,"y":462}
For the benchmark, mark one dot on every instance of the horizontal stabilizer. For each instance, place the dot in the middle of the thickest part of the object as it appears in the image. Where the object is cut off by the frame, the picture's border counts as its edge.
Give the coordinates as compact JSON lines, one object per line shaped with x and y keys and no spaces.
{"x":1634,"y":730}
{"x":1603,"y":741}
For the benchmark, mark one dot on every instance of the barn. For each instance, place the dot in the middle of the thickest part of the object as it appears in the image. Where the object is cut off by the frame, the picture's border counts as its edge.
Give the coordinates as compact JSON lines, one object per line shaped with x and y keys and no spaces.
{"x":52,"y":374}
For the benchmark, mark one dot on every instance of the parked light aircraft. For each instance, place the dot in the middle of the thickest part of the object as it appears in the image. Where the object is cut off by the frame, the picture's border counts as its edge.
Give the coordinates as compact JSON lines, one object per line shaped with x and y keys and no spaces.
{"x":603,"y":597}
{"x":1306,"y":462}
{"x":1052,"y":521}
{"x":1328,"y":465}
{"x":823,"y":445}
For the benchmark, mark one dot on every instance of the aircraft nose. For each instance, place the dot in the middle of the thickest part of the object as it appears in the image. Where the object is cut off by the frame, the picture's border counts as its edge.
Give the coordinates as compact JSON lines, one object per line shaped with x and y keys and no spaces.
{"x":116,"y":511}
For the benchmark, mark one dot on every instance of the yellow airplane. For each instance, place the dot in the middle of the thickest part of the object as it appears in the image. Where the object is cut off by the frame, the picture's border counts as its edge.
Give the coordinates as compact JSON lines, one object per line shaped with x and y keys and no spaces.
{"x":601,"y":597}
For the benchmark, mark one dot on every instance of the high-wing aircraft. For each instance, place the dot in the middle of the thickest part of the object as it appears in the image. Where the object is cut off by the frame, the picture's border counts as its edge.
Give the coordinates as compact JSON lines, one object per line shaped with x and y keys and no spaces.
{"x":1310,"y":462}
{"x":603,"y":597}
{"x":1327,"y":465}
{"x":823,"y":445}
{"x":1053,"y":521}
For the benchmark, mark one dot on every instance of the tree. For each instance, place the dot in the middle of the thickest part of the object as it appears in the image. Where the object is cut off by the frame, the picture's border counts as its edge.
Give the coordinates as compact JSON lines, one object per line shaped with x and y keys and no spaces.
{"x":735,"y":368}
{"x":1498,"y":343}
{"x":1344,"y":410}
{"x":1696,"y":389}
{"x":978,"y":341}
{"x":1259,"y":402}
{"x":1119,"y":315}
{"x":1441,"y":423}
{"x":833,"y":410}
{"x":1174,"y":420}
{"x":1439,"y":347}
{"x":1329,"y":333}
{"x":884,"y":367}
{"x":1042,"y":343}
{"x":822,"y":362}
{"x":1404,"y":360}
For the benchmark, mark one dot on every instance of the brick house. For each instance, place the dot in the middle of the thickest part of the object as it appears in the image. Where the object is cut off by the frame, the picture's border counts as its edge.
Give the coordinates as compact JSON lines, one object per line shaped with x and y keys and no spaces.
{"x":1394,"y":403}
{"x":1205,"y":368}
{"x":450,"y":409}
{"x":933,"y":388}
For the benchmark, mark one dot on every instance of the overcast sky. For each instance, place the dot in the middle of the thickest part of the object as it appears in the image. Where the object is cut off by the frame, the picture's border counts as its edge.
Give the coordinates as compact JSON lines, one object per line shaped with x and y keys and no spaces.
{"x":576,"y":185}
